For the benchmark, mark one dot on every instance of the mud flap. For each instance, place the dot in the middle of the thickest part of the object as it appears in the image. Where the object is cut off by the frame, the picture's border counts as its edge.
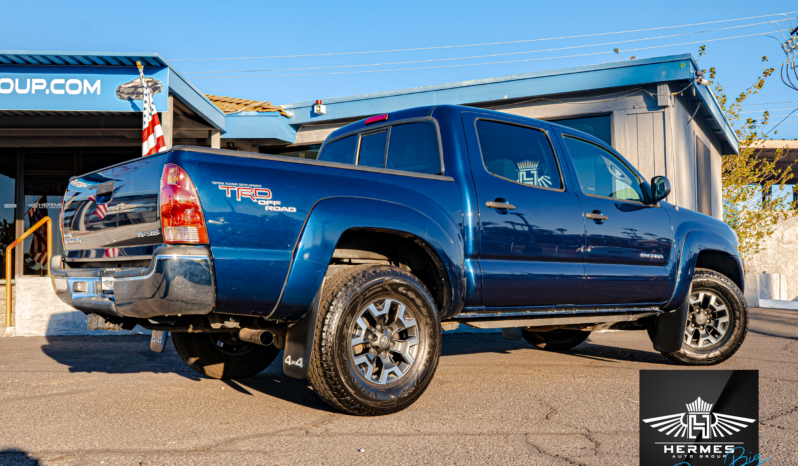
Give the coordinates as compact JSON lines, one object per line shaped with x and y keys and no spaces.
{"x":667,"y":330}
{"x":299,"y":342}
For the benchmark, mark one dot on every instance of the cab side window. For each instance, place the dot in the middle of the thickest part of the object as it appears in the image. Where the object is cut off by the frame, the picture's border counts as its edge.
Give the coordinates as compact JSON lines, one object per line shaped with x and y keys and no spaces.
{"x":341,"y":151}
{"x":372,"y":150}
{"x":601,"y":173}
{"x":519,"y":154}
{"x":411,"y":147}
{"x":414,"y":147}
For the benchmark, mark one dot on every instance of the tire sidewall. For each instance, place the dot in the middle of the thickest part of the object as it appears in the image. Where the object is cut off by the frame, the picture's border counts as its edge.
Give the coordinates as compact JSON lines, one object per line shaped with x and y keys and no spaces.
{"x":406,"y":389}
{"x":738,"y":325}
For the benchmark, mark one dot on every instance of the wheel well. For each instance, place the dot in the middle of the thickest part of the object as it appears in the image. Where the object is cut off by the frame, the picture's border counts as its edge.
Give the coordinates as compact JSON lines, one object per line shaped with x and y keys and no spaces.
{"x":722,"y":263}
{"x":361,"y":246}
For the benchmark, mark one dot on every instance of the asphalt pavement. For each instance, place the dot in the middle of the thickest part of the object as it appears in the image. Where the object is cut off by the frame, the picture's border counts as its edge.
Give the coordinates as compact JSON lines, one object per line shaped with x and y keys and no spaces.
{"x":110,"y":400}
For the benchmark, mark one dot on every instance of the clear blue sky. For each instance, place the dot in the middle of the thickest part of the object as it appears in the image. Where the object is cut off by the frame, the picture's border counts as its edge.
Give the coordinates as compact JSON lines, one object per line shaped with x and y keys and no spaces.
{"x":205,"y":29}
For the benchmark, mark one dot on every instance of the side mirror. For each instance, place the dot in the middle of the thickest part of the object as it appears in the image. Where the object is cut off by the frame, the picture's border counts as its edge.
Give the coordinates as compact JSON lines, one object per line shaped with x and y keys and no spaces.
{"x":660,"y":188}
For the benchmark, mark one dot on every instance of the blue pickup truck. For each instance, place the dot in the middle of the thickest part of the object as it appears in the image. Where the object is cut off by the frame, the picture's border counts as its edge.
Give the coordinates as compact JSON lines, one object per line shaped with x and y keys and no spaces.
{"x":408,"y":223}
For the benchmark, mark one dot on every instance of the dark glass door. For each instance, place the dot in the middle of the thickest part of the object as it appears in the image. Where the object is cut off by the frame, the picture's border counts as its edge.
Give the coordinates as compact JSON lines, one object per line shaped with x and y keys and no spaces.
{"x":8,"y":189}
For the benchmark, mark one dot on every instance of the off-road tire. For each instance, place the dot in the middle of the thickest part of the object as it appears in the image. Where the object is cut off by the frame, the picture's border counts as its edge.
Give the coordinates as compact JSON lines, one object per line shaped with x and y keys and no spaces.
{"x":332,"y":373}
{"x":721,"y":285}
{"x":555,"y":340}
{"x":232,"y":359}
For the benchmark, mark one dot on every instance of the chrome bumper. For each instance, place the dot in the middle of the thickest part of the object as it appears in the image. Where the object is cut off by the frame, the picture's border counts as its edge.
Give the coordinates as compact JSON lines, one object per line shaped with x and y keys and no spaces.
{"x":179,"y":281}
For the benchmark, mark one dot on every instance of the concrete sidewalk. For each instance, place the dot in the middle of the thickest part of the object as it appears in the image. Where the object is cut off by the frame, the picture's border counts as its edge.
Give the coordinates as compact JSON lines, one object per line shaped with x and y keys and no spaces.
{"x":87,"y":400}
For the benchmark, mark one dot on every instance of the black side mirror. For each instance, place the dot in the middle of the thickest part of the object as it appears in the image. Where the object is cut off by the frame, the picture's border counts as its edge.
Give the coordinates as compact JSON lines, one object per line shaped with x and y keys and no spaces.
{"x":660,"y":188}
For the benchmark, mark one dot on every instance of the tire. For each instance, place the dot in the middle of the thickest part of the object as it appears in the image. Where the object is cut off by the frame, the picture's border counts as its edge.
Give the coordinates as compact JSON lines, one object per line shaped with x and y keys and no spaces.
{"x":706,"y":285}
{"x":344,"y":371}
{"x":555,"y":340}
{"x":222,"y":355}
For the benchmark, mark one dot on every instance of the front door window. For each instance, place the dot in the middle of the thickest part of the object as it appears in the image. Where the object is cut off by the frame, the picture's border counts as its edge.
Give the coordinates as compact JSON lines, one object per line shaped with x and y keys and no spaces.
{"x":628,"y":242}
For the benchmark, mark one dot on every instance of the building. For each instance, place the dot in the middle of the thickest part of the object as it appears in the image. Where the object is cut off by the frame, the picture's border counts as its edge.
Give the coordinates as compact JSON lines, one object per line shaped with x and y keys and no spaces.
{"x":63,"y":114}
{"x":771,"y":273}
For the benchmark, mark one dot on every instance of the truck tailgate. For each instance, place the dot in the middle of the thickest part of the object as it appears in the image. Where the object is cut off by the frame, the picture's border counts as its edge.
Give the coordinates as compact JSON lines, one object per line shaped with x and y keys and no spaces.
{"x":112,"y":215}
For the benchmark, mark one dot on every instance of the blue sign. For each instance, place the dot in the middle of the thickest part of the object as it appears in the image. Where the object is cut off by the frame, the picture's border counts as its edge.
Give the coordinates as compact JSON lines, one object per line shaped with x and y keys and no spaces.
{"x":81,"y":88}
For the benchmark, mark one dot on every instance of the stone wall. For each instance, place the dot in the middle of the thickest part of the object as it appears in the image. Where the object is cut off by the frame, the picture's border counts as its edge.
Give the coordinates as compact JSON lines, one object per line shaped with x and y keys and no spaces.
{"x":779,"y":255}
{"x":39,"y":312}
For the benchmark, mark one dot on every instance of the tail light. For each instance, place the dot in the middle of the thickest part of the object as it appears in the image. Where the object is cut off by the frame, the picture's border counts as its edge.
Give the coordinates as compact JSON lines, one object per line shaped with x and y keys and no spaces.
{"x":181,"y":213}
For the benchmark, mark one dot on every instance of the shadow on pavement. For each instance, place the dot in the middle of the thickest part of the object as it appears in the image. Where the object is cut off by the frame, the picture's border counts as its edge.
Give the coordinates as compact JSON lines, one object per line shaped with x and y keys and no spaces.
{"x":14,"y":457}
{"x":114,"y":355}
{"x":131,"y":354}
{"x":459,"y":344}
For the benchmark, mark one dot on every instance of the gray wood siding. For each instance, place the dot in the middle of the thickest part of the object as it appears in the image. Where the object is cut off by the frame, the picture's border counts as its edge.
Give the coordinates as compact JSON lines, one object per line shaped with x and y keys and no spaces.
{"x":645,"y":143}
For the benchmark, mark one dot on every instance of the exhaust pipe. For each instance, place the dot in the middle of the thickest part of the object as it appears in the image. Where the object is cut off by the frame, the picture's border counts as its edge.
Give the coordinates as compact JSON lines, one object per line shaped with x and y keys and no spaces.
{"x":259,"y":337}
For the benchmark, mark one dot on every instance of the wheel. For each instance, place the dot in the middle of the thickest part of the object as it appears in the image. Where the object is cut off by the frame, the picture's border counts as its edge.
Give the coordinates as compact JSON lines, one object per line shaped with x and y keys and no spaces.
{"x":222,"y":355}
{"x":717,"y":321}
{"x":555,"y":340}
{"x":378,"y":341}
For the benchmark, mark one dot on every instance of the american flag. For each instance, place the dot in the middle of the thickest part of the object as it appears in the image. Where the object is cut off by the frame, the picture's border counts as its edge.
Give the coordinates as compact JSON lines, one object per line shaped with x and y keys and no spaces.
{"x":38,"y":247}
{"x":111,"y":252}
{"x":102,"y":209}
{"x":152,"y":136}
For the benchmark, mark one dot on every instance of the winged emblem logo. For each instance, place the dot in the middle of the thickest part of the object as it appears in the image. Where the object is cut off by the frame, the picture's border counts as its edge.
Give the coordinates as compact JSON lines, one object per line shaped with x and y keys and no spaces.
{"x":699,"y":419}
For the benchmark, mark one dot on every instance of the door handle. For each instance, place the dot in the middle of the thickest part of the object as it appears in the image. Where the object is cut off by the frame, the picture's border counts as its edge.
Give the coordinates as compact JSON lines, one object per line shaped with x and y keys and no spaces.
{"x":499,"y":205}
{"x":596,"y":216}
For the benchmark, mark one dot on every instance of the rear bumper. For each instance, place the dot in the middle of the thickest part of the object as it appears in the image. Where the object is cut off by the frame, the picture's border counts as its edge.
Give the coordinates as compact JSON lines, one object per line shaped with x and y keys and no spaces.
{"x":179,"y":281}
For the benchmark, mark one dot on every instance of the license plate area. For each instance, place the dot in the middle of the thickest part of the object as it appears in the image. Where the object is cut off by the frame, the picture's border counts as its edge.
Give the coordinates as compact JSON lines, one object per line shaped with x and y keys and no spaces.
{"x":108,"y":284}
{"x":107,"y":281}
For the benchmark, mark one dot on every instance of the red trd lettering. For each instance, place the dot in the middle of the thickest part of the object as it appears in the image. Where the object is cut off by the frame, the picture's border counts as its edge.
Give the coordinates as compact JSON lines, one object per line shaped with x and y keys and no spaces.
{"x":267,"y":193}
{"x":246,"y":192}
{"x":227,"y":189}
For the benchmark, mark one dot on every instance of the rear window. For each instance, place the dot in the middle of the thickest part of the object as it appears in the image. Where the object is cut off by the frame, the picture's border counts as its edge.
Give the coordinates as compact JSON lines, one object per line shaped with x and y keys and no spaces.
{"x":341,"y":151}
{"x":414,"y":147}
{"x":372,"y":150}
{"x":410,"y":147}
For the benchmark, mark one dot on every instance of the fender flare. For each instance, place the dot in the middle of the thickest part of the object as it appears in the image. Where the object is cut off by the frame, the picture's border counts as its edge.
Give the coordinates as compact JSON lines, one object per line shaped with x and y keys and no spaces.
{"x":331,"y":217}
{"x":695,"y":242}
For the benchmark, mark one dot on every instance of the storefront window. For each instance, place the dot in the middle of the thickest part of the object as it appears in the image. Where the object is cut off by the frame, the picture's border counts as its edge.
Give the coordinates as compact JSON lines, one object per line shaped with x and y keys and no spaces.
{"x":8,"y":175}
{"x":598,"y":126}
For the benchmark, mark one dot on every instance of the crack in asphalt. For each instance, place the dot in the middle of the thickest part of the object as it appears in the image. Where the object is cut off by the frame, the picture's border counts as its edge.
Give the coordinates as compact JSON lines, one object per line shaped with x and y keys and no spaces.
{"x":551,"y":455}
{"x":596,"y":443}
{"x":783,"y":413}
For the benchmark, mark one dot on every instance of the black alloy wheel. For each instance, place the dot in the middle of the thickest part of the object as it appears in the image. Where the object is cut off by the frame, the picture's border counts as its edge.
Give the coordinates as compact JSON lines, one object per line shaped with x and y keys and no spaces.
{"x":378,"y":340}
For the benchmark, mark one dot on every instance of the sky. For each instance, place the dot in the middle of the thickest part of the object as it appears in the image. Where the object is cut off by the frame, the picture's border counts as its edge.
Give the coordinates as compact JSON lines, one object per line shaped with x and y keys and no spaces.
{"x":184,"y":32}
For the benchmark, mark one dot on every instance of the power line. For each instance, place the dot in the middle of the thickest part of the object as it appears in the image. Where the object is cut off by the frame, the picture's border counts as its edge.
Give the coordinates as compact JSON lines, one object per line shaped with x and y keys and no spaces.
{"x":767,"y":110}
{"x":782,"y":121}
{"x":479,"y":45}
{"x":773,"y":103}
{"x":482,"y":56}
{"x":477,"y":64}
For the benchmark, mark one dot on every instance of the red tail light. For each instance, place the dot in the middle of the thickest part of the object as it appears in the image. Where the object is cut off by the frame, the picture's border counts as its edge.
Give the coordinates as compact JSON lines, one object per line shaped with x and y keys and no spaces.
{"x":181,"y":213}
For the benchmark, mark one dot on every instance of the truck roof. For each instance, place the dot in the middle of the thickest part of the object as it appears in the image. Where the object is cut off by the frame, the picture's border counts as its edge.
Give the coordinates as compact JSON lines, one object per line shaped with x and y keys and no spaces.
{"x":427,"y":110}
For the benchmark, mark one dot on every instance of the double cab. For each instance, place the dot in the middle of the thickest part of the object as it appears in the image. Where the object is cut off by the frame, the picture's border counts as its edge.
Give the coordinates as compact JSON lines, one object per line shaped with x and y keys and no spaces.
{"x":408,"y":223}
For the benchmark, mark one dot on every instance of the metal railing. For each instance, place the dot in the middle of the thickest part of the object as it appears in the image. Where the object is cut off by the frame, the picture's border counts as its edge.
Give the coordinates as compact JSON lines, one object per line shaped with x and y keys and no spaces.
{"x":9,"y":257}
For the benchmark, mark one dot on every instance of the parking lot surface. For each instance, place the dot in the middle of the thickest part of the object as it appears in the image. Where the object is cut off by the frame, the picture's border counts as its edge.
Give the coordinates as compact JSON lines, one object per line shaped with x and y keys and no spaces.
{"x":110,"y":400}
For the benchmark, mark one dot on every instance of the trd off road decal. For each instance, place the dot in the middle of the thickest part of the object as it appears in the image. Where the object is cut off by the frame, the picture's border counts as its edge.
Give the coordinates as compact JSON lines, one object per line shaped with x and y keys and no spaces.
{"x":699,"y":417}
{"x":254,"y":192}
